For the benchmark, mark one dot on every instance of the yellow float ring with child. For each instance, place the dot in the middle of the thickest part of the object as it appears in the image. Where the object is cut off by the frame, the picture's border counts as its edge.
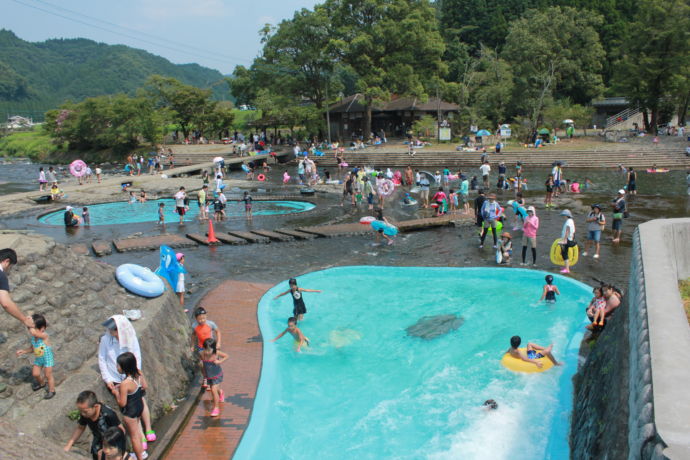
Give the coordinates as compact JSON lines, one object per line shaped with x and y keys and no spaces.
{"x":557,"y":256}
{"x":519,"y":365}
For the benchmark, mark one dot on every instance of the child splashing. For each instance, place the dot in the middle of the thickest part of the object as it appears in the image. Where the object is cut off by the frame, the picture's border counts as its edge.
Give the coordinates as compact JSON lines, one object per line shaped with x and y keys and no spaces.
{"x":299,"y":309}
{"x":300,"y":339}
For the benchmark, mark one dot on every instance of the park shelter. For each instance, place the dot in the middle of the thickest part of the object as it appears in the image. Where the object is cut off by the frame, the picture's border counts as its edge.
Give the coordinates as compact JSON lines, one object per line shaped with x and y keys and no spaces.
{"x":394,"y":117}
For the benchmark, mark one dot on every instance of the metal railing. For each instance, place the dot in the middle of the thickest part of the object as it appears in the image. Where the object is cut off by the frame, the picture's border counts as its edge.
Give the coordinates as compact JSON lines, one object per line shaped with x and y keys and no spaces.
{"x":621,"y":117}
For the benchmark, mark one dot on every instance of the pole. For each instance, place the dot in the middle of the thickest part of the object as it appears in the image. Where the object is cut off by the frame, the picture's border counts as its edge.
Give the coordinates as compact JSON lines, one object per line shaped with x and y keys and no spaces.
{"x":438,"y":116}
{"x":328,"y":115}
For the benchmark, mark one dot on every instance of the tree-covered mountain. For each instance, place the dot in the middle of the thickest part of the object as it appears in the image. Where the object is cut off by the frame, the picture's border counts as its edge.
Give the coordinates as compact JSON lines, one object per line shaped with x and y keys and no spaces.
{"x":36,"y":77}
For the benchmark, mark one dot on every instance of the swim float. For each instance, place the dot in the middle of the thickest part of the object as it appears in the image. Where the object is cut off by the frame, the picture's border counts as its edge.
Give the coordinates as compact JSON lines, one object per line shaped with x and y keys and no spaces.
{"x":518,"y":365}
{"x":261,"y":177}
{"x":658,"y":170}
{"x":245,"y":168}
{"x":77,"y":168}
{"x":557,"y":257}
{"x":499,"y":227}
{"x":388,"y":230}
{"x":139,"y":280}
{"x":367,"y":219}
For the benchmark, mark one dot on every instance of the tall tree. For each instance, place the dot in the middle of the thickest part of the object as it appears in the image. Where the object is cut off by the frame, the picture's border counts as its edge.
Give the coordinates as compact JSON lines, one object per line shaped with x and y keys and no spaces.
{"x":554,"y":51}
{"x":393,"y":46}
{"x":654,"y":67}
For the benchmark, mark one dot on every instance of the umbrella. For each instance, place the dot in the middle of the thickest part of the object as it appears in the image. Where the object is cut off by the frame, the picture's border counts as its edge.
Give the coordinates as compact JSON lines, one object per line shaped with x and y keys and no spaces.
{"x":217,"y":159}
{"x":568,"y":121}
{"x":482,"y":133}
{"x":544,"y":131}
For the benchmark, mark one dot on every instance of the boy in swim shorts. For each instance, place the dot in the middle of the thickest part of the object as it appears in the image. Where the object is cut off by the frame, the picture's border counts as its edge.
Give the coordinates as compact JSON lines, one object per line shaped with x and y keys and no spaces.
{"x":300,"y":339}
{"x":534,"y":352}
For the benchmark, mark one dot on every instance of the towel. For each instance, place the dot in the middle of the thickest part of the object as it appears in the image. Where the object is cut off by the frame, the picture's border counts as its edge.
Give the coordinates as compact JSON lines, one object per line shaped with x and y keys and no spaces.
{"x":125,"y":331}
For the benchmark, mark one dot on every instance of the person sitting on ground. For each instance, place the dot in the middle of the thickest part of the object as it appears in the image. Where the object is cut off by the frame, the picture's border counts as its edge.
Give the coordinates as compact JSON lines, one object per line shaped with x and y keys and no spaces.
{"x":506,"y":247}
{"x":550,"y":290}
{"x":597,"y":307}
{"x":613,"y":300}
{"x":71,"y":219}
{"x":55,"y":192}
{"x":534,"y":352}
{"x":99,"y":419}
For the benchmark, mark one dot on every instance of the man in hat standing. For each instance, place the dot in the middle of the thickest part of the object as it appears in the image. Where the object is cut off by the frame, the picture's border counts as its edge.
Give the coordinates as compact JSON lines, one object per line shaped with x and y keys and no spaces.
{"x":567,"y":238}
{"x":595,"y":224}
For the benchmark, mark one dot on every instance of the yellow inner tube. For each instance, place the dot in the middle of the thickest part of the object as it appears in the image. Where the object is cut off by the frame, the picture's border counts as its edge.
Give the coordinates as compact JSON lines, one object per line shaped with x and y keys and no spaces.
{"x":557,"y":257}
{"x":518,"y":365}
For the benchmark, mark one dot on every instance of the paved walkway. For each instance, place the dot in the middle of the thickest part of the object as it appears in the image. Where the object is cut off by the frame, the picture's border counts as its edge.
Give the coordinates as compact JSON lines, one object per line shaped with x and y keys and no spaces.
{"x":232,"y":306}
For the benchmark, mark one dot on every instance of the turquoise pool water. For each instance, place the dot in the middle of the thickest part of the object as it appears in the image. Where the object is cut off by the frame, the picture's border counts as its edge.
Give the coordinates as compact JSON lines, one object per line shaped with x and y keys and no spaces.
{"x":122,"y":212}
{"x":367,"y":390}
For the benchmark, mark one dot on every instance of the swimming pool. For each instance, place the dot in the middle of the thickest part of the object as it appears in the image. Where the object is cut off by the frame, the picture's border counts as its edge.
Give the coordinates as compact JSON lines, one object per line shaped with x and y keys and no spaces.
{"x":121,"y":212}
{"x":367,"y":390}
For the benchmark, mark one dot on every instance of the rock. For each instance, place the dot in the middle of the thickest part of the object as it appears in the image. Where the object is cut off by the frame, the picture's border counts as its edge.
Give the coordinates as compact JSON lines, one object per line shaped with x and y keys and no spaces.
{"x":430,"y":327}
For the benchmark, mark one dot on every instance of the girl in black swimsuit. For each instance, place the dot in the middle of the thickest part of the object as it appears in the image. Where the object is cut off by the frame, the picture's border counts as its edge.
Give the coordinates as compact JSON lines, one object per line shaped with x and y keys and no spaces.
{"x":129,"y":397}
{"x":299,"y":309}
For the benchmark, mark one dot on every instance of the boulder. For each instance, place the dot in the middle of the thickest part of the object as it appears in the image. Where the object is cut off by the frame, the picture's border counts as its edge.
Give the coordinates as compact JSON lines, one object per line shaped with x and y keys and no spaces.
{"x":430,"y":327}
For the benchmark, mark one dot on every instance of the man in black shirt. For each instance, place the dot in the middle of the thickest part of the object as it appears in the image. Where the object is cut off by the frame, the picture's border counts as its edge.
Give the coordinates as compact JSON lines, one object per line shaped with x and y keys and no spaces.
{"x":8,"y":258}
{"x":478,"y":203}
{"x":98,"y":417}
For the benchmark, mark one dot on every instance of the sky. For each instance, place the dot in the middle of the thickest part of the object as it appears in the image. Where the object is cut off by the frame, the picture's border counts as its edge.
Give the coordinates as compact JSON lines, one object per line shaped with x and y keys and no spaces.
{"x":219,"y":34}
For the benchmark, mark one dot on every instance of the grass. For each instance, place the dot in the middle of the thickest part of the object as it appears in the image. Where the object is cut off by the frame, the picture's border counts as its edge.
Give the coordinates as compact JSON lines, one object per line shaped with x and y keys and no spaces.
{"x":35,"y":145}
{"x":684,"y":287}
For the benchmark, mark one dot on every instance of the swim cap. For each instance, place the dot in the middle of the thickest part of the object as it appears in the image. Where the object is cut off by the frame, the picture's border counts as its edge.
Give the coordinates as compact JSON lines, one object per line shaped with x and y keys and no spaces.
{"x":548,"y":279}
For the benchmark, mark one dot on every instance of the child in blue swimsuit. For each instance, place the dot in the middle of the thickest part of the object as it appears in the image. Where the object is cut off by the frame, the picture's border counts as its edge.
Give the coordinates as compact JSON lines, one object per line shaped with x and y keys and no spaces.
{"x":43,"y":356}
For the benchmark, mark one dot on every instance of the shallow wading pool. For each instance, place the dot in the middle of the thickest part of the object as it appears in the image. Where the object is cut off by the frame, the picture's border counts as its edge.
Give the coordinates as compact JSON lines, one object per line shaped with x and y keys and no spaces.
{"x":365,"y":389}
{"x":121,"y":212}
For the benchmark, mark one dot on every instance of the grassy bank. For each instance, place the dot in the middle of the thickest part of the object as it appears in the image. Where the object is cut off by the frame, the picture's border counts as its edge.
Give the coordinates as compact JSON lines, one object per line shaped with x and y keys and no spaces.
{"x":684,"y":287}
{"x":28,"y":144}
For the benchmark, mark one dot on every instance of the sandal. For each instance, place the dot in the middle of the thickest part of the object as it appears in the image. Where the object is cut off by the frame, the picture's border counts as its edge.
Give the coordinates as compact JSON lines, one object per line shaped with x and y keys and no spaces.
{"x":215,"y":412}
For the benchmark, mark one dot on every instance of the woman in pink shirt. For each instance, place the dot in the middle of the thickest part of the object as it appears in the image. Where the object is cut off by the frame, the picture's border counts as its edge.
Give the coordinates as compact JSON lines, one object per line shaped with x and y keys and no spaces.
{"x":529,"y":235}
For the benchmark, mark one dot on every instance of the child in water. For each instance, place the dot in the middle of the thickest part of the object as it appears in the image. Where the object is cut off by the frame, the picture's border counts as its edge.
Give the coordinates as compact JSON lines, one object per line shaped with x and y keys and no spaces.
{"x":300,"y":339}
{"x":211,"y":358}
{"x":161,"y":215}
{"x":86,"y":217}
{"x":43,"y":356}
{"x":534,"y":352}
{"x":132,"y":198}
{"x":550,"y":291}
{"x":299,"y":309}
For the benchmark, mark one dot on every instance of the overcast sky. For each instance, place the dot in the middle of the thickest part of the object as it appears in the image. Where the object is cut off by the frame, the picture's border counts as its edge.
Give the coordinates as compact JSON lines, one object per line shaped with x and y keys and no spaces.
{"x":214,"y":33}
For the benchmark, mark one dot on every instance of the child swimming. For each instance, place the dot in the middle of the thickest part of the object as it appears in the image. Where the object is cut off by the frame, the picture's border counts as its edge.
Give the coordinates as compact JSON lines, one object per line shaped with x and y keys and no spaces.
{"x":534,"y":352}
{"x":550,"y":291}
{"x":300,"y":339}
{"x":299,"y":309}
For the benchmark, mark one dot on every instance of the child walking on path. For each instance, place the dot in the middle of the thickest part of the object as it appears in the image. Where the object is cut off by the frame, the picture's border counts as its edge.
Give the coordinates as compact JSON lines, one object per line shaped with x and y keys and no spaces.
{"x":300,"y":339}
{"x":211,"y":358}
{"x":299,"y":309}
{"x":549,"y":292}
{"x":129,"y":396}
{"x":43,"y":356}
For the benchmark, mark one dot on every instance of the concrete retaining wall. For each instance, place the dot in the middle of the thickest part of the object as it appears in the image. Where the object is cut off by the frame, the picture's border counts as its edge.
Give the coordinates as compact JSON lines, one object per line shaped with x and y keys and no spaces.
{"x":659,"y":400}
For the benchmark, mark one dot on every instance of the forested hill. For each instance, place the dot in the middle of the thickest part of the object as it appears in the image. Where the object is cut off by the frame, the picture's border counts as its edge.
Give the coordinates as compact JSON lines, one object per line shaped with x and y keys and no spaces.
{"x":36,"y":77}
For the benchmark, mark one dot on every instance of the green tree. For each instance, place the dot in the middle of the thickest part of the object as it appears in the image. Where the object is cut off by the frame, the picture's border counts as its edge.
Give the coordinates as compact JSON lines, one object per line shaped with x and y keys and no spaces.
{"x":494,"y":87}
{"x":554,"y":52}
{"x":655,"y":62}
{"x":188,"y":105}
{"x":393,"y":46}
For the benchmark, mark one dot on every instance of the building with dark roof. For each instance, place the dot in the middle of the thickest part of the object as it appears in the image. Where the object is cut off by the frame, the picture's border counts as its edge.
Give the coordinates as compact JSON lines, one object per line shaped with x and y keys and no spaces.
{"x":394,"y":117}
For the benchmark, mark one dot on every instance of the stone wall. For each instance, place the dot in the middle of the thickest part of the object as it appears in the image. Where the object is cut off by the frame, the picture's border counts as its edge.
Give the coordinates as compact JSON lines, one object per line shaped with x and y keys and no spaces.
{"x":76,"y":294}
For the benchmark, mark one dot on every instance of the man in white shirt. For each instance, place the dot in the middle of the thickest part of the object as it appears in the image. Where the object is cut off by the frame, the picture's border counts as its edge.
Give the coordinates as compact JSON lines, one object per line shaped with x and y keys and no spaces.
{"x":567,"y":238}
{"x":180,"y":206}
{"x":485,"y":169}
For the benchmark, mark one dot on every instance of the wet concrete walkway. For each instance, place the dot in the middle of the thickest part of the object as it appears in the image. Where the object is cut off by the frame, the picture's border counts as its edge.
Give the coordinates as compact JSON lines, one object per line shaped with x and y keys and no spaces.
{"x":232,"y":306}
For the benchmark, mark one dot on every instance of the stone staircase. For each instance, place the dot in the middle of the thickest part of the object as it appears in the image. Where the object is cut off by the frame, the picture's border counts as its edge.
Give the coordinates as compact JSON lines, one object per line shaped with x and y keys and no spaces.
{"x":642,"y":157}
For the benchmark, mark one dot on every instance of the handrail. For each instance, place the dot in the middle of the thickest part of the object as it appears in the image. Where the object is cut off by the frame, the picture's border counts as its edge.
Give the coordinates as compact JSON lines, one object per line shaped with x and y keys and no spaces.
{"x":624,"y":115}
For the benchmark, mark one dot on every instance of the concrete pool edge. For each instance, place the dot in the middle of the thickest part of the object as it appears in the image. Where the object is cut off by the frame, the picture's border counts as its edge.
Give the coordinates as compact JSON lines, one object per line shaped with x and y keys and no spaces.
{"x":269,"y":383}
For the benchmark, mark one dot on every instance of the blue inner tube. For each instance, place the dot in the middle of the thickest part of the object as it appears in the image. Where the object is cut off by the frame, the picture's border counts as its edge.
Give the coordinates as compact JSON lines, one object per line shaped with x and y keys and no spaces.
{"x":139,"y":280}
{"x":388,"y":230}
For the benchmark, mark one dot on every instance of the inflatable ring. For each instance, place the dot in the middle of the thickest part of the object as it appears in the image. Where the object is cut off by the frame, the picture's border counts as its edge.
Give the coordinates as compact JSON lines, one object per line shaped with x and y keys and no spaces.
{"x":261,"y":177}
{"x":387,"y":188}
{"x":367,"y":220}
{"x":388,"y":230}
{"x":139,"y":280}
{"x":557,"y":257}
{"x":518,"y":365}
{"x":77,"y":168}
{"x":499,"y":227}
{"x":245,"y":168}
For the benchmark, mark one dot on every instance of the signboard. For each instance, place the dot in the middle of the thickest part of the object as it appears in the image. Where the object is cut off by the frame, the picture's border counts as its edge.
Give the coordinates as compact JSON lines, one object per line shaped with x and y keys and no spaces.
{"x":505,"y":131}
{"x":444,"y":134}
